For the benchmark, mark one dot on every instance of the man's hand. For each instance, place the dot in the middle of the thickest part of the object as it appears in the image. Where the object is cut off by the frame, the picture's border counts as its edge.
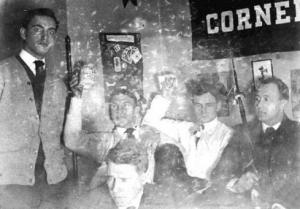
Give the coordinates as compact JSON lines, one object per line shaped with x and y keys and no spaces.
{"x":244,"y":183}
{"x":74,"y":83}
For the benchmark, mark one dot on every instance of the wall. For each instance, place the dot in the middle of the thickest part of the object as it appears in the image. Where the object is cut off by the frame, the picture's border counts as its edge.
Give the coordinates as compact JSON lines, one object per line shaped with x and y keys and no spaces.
{"x":166,"y":45}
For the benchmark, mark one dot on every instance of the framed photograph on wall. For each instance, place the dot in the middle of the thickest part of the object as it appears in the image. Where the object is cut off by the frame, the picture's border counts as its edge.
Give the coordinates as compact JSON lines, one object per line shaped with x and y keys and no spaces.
{"x":261,"y":69}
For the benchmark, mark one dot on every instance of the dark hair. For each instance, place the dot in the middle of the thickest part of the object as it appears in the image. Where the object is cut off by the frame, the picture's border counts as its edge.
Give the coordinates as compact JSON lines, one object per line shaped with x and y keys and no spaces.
{"x":199,"y":87}
{"x":30,"y":14}
{"x":124,"y":92}
{"x":282,"y":87}
{"x":129,"y":151}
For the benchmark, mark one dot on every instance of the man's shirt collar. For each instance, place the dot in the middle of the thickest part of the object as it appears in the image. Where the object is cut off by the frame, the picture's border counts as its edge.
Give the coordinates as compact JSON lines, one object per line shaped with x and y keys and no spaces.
{"x":211,"y":126}
{"x":29,"y":60}
{"x":265,"y":126}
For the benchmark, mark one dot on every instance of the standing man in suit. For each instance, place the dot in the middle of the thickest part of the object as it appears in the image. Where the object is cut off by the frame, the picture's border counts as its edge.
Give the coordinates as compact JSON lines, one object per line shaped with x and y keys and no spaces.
{"x":274,"y":175}
{"x":32,"y":102}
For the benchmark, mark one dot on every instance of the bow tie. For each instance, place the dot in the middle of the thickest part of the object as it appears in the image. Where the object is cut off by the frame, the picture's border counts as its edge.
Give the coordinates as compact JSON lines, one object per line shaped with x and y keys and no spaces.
{"x":129,"y":132}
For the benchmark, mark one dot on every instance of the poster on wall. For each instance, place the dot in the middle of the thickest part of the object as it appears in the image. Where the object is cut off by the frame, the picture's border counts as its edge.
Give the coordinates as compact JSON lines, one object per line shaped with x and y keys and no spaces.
{"x":122,"y":62}
{"x":295,"y":93}
{"x":234,"y":28}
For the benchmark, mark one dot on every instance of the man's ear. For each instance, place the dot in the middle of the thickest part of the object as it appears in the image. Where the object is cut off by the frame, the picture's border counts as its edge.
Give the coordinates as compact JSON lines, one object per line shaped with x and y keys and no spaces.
{"x":283,"y":102}
{"x":23,"y":33}
{"x":219,"y":106}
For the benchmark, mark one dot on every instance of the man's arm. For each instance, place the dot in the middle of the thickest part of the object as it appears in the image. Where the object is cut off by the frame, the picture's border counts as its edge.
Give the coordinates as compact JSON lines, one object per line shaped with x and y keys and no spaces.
{"x":155,"y":118}
{"x":94,"y":145}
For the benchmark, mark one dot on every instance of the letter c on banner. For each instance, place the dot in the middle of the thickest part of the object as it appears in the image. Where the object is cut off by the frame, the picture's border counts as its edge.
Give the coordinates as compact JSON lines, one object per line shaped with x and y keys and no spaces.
{"x":209,"y":17}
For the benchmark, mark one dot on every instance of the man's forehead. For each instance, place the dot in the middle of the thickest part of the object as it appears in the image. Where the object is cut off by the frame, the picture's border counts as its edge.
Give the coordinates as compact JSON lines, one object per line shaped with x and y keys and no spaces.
{"x":269,"y":89}
{"x":204,"y":98}
{"x":42,"y":21}
{"x":122,"y":97}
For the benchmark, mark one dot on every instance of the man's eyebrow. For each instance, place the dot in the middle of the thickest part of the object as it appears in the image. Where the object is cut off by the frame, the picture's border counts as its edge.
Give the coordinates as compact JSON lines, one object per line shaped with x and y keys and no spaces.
{"x":40,"y":26}
{"x":37,"y":25}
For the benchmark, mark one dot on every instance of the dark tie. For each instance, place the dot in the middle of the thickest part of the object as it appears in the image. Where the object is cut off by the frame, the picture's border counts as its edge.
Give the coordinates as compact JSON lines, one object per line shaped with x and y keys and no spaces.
{"x":39,"y":81}
{"x":39,"y":67}
{"x":269,"y":136}
{"x":129,"y":132}
{"x":131,"y":207}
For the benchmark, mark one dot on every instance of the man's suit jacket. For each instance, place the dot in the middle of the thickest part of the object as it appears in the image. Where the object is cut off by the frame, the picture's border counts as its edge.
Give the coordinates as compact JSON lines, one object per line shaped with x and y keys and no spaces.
{"x":21,"y":129}
{"x":276,"y":162}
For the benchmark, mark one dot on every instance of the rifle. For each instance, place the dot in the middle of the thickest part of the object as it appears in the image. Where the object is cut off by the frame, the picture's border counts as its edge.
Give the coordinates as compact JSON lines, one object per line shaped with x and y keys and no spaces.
{"x":244,"y":121}
{"x":69,"y":77}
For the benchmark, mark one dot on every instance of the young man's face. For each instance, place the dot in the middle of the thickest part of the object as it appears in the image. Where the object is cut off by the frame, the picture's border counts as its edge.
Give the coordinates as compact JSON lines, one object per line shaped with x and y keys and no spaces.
{"x":268,"y":104}
{"x":124,"y":183}
{"x":123,"y":111}
{"x":39,"y":36}
{"x":206,"y":107}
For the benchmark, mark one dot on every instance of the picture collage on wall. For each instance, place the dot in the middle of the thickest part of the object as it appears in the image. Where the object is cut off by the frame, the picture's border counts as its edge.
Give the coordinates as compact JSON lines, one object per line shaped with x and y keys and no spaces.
{"x":122,"y":61}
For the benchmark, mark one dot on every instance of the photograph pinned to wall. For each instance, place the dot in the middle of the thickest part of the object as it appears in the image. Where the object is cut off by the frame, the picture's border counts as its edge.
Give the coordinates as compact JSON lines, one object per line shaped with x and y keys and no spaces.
{"x":224,"y":84}
{"x":295,"y":93}
{"x":167,"y":80}
{"x":122,"y":62}
{"x":261,"y":69}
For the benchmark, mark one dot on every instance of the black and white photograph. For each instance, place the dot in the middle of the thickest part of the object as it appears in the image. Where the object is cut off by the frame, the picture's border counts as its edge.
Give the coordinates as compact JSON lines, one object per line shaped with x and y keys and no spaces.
{"x":149,"y":104}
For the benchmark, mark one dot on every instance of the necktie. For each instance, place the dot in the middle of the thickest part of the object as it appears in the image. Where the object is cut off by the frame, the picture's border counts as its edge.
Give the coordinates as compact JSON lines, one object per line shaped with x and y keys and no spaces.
{"x":39,"y":67}
{"x":269,"y":135}
{"x":131,"y":207}
{"x":38,"y":84}
{"x":129,"y":132}
{"x":197,"y":134}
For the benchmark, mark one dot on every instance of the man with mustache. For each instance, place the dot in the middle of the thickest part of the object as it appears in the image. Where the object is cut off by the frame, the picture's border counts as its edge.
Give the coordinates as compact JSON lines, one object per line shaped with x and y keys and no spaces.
{"x":32,"y":100}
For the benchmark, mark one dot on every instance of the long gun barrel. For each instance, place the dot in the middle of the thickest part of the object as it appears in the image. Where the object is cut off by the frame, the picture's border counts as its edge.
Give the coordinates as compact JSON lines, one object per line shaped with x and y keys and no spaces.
{"x":240,"y":102}
{"x":68,"y":56}
{"x":69,"y":69}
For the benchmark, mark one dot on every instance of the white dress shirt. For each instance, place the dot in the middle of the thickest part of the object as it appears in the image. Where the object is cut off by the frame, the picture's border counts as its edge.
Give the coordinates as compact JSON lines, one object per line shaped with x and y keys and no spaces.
{"x":29,"y":60}
{"x":200,"y":159}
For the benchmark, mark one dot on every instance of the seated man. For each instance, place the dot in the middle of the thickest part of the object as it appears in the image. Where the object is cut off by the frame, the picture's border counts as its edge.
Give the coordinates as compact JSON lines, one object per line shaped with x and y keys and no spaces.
{"x":202,"y":143}
{"x":126,"y":174}
{"x":273,"y":177}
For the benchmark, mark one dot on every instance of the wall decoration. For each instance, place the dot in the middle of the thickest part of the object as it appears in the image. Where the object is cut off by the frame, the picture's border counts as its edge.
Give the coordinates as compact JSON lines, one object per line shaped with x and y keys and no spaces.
{"x":122,"y":61}
{"x":235,"y":28}
{"x":261,"y":69}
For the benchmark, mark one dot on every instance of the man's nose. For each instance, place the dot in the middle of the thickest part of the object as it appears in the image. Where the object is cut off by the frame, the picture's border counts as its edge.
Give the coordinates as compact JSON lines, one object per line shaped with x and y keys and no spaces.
{"x":44,"y":36}
{"x":203,"y":109}
{"x":116,"y":185}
